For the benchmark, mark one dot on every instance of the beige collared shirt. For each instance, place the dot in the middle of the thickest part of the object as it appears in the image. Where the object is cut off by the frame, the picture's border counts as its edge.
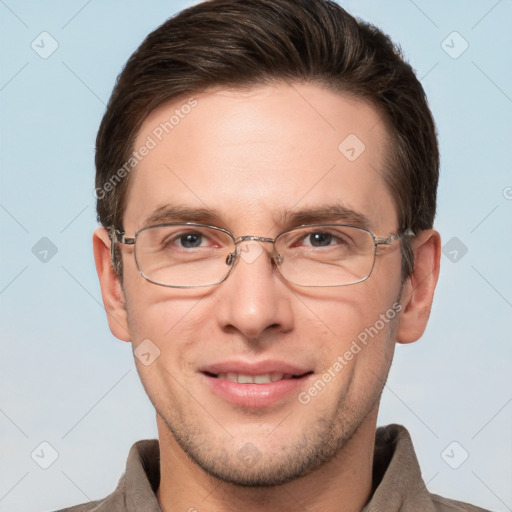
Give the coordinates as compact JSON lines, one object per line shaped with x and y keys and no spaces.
{"x":396,"y":475}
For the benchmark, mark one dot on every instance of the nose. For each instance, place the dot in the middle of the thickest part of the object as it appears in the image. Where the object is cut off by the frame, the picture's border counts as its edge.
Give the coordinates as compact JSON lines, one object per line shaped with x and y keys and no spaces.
{"x":254,"y":300}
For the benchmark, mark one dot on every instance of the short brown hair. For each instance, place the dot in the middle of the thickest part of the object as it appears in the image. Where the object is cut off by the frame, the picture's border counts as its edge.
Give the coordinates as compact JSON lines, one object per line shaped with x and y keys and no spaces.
{"x":246,"y":43}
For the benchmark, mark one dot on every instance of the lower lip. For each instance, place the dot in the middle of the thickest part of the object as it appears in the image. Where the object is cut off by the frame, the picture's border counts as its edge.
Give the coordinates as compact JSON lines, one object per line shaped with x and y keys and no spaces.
{"x":255,"y":395}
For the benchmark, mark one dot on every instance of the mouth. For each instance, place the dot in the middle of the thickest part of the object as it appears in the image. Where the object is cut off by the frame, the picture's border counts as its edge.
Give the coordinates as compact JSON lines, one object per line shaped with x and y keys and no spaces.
{"x":264,"y":378}
{"x":255,"y":385}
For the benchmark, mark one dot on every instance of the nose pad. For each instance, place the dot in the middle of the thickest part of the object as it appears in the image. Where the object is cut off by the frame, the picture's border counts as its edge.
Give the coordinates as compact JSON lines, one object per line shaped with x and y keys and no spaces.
{"x":276,"y":258}
{"x":231,"y":257}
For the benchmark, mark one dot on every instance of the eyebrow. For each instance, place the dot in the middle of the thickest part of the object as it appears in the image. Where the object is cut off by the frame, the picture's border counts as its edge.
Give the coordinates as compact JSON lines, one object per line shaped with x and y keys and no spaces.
{"x":314,"y":215}
{"x":177,"y":213}
{"x":325,"y":214}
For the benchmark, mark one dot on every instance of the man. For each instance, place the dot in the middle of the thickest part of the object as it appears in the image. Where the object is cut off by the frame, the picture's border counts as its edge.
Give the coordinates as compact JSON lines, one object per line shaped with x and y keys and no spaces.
{"x":266,"y":183}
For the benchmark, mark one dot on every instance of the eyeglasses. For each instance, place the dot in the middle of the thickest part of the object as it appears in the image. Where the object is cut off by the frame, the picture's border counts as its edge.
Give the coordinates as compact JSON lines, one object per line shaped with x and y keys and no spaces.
{"x":190,"y":255}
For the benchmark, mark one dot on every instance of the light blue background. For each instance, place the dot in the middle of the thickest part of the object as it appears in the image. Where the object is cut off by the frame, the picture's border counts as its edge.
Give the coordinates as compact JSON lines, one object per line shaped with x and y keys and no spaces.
{"x":67,"y":381}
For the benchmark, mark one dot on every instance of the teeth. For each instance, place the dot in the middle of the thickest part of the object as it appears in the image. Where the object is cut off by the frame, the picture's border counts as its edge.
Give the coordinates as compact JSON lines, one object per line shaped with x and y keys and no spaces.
{"x":262,"y":379}
{"x":252,"y":379}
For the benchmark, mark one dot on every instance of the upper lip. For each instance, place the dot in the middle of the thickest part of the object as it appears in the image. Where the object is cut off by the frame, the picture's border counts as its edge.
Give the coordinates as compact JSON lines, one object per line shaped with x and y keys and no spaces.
{"x":254,"y":368}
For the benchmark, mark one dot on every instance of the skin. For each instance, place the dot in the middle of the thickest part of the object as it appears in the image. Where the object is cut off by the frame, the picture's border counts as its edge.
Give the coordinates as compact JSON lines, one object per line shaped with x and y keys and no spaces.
{"x":251,"y":156}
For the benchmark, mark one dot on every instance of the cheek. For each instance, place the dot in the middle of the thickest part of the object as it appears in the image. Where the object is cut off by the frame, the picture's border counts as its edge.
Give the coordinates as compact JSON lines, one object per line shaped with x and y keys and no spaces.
{"x":344,"y":312}
{"x":173,"y":340}
{"x":173,"y":320}
{"x":365,"y":352}
{"x":155,"y":310}
{"x":355,"y":327}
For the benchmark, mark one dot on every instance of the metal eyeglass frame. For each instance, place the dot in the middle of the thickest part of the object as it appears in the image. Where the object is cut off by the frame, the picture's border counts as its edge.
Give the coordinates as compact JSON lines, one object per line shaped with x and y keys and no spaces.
{"x":118,"y":237}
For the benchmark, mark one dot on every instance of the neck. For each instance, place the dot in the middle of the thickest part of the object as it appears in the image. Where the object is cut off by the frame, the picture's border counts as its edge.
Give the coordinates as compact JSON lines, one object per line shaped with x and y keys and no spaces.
{"x":343,"y":483}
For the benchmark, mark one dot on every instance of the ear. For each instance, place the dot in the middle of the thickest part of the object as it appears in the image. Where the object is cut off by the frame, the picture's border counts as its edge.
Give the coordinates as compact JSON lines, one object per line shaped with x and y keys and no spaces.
{"x":111,"y":290}
{"x":418,"y":291}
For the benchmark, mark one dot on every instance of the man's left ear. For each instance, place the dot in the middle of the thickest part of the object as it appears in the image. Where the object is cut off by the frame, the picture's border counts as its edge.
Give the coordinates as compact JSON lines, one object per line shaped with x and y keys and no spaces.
{"x":418,"y":291}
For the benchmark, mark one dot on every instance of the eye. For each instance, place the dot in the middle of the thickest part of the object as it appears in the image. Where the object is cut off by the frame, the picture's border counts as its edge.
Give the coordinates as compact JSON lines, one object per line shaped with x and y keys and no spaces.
{"x":190,"y":240}
{"x":180,"y":240}
{"x":324,"y":239}
{"x":182,"y":243}
{"x":319,"y":239}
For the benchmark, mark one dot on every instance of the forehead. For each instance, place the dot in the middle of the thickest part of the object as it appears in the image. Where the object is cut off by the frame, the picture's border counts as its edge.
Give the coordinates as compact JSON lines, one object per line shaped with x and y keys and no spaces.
{"x":252,"y":157}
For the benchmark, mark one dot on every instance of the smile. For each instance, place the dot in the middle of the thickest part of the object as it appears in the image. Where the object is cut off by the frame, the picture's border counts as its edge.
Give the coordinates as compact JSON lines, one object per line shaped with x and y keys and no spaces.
{"x":255,"y":379}
{"x":255,"y":386}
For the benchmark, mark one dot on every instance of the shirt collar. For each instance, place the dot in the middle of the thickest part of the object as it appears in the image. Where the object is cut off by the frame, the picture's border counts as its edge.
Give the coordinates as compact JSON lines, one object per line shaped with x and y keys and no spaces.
{"x":397,"y":480}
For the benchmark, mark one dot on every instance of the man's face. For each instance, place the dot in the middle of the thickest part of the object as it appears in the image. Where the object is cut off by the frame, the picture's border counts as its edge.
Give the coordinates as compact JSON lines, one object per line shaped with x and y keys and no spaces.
{"x":252,"y":157}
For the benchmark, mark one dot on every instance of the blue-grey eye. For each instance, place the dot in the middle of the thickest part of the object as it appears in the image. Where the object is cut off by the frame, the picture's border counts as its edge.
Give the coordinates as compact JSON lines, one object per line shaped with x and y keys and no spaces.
{"x":320,"y":239}
{"x":191,"y":240}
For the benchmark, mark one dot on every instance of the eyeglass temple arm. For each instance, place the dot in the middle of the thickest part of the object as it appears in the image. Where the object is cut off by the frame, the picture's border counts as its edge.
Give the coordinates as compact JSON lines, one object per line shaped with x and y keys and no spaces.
{"x":379,"y":240}
{"x":117,"y":237}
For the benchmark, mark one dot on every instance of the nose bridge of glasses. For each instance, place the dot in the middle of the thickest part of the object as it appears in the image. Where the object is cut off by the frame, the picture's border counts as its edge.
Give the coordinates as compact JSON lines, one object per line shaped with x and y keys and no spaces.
{"x":248,"y":238}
